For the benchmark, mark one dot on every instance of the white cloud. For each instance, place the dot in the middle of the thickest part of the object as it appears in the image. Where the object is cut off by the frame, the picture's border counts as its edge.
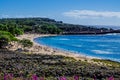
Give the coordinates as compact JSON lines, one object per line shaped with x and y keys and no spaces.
{"x":91,"y":14}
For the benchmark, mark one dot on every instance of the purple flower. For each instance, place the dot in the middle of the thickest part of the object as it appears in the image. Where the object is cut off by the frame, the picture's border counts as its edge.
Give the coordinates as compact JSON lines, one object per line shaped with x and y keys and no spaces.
{"x":34,"y":77}
{"x":63,"y":78}
{"x":5,"y":76}
{"x":94,"y":77}
{"x":8,"y":76}
{"x":76,"y":77}
{"x":111,"y":78}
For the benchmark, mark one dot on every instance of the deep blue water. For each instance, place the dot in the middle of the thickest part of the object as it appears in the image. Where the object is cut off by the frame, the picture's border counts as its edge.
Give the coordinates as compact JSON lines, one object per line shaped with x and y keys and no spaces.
{"x":100,"y":46}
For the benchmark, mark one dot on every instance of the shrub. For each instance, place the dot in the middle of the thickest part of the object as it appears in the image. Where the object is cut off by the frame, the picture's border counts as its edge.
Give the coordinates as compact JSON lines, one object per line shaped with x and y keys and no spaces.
{"x":26,"y":43}
{"x":5,"y":38}
{"x":12,"y":38}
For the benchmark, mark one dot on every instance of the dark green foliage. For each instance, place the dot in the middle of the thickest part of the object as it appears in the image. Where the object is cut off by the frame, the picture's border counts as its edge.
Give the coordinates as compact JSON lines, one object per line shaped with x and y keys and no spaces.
{"x":3,"y":27}
{"x":32,"y":25}
{"x":27,"y":28}
{"x":18,"y":31}
{"x":12,"y":28}
{"x":15,"y":30}
{"x":46,"y":25}
{"x":26,"y":43}
{"x":49,"y":28}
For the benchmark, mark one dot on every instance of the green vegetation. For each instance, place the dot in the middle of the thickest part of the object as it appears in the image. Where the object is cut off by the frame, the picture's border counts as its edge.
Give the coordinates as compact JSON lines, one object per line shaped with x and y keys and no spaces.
{"x":8,"y":34}
{"x":12,"y":28}
{"x":26,"y":43}
{"x":5,"y":38}
{"x":32,"y":25}
{"x":52,"y":66}
{"x":108,"y":63}
{"x":45,"y":26}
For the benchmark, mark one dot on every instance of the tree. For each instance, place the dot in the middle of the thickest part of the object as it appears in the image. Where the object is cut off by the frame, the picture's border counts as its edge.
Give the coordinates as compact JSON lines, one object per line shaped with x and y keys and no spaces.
{"x":51,"y":29}
{"x":3,"y":27}
{"x":15,"y":30}
{"x":18,"y":31}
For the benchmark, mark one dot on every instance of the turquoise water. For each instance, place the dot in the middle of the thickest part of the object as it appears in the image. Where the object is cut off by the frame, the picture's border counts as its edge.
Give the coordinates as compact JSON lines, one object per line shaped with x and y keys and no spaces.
{"x":100,"y":46}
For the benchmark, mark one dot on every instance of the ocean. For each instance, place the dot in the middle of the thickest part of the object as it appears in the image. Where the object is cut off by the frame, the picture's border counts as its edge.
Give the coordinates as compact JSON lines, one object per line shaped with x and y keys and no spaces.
{"x":100,"y":46}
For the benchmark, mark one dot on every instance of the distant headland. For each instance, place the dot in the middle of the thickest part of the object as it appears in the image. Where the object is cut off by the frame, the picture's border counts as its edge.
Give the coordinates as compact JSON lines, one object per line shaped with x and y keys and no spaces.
{"x":47,"y":25}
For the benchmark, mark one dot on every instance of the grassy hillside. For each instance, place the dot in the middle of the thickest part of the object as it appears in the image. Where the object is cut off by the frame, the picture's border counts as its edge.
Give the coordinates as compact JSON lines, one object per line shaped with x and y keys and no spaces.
{"x":52,"y":66}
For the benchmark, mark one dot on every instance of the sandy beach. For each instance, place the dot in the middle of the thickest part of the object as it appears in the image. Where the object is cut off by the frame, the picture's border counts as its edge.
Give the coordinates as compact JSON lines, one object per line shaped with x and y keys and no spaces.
{"x":42,"y":49}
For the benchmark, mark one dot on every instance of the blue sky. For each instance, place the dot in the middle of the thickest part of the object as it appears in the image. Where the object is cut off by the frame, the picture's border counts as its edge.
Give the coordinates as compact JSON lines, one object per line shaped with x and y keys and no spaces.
{"x":86,"y":12}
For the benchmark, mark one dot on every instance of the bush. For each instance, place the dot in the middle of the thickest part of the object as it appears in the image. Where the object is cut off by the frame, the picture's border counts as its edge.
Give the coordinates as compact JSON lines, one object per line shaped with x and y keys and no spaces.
{"x":5,"y":38}
{"x":26,"y":43}
{"x":12,"y":38}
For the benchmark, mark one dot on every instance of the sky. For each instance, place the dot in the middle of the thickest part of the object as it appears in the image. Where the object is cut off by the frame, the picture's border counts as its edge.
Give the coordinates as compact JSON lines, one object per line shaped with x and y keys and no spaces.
{"x":84,"y":12}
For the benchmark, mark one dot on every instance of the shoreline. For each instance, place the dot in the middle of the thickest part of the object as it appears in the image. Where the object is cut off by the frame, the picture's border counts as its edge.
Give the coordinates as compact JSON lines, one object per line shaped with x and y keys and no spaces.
{"x":43,"y":49}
